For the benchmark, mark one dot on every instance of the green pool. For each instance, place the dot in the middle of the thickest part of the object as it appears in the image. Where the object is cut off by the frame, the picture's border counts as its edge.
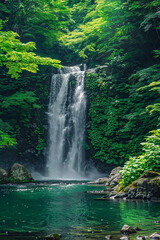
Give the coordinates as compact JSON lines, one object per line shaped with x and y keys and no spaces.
{"x":32,"y":211}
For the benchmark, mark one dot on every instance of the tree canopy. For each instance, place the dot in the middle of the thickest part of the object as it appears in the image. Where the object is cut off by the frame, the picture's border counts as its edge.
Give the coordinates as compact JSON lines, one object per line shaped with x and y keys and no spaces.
{"x":18,"y":56}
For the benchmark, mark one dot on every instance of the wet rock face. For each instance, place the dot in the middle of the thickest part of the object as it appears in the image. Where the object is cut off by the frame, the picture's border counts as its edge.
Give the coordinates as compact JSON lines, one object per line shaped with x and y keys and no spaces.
{"x":114,"y":177}
{"x":19,"y":174}
{"x":145,"y":187}
{"x":115,"y":171}
{"x":3,"y":173}
{"x":112,"y":180}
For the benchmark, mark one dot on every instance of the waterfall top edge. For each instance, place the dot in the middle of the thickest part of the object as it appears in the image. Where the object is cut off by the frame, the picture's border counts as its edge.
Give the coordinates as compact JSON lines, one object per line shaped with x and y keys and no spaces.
{"x":71,"y":69}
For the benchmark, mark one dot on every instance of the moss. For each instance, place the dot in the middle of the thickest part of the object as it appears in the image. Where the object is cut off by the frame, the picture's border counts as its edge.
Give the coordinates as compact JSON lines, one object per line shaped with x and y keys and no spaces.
{"x":150,"y":174}
{"x":120,"y":188}
{"x":156,"y":180}
{"x":149,"y":178}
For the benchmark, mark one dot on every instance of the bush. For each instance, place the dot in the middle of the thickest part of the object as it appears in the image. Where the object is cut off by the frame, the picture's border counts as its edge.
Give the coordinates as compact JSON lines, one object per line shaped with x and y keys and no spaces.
{"x":148,"y":161}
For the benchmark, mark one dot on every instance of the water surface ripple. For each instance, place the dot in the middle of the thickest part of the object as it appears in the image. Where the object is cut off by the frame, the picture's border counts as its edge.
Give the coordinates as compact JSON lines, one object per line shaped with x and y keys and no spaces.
{"x":66,"y":208}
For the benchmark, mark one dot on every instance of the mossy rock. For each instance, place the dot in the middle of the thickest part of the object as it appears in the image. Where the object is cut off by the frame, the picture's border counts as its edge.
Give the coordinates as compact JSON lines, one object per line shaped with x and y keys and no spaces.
{"x":150,"y":174}
{"x":54,"y":236}
{"x":19,"y":174}
{"x":146,"y":187}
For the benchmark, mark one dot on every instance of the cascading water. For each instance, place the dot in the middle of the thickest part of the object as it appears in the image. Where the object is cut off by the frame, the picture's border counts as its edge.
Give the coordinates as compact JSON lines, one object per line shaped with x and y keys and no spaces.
{"x":67,"y":113}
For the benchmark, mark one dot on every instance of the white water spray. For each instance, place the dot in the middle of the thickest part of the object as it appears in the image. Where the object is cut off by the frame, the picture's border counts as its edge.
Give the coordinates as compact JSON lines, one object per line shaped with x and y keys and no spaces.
{"x":67,"y":115}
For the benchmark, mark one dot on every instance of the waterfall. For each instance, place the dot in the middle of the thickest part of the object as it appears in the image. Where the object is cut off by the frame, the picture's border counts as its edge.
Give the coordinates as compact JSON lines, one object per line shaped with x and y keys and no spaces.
{"x":67,"y":115}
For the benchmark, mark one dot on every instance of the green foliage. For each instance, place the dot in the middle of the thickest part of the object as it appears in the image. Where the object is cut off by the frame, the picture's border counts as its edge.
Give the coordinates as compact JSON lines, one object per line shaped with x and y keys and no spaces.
{"x":151,"y":21}
{"x":4,"y":126}
{"x":23,"y":112}
{"x":157,"y":53}
{"x":6,"y":140}
{"x":41,"y":141}
{"x":17,"y":108}
{"x":152,"y":75}
{"x":118,"y":120}
{"x":41,"y":21}
{"x":20,"y":99}
{"x":148,"y":161}
{"x":129,"y":29}
{"x":17,"y":56}
{"x":123,"y":99}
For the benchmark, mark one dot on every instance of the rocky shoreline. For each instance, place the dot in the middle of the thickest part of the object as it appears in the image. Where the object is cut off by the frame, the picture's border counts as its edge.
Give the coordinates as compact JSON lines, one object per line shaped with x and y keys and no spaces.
{"x":126,"y":233}
{"x":128,"y":230}
{"x":146,"y":187}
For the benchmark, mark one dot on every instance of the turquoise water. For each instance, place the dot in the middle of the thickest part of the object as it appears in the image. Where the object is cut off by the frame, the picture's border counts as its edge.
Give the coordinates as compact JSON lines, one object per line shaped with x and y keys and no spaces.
{"x":65,"y":208}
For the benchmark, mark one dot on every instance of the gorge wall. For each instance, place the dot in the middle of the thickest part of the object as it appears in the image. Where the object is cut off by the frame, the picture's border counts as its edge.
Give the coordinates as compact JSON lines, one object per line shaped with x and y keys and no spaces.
{"x":117,"y":119}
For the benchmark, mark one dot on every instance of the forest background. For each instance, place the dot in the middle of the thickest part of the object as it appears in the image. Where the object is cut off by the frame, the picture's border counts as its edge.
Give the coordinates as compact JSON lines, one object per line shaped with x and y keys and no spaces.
{"x":121,"y":39}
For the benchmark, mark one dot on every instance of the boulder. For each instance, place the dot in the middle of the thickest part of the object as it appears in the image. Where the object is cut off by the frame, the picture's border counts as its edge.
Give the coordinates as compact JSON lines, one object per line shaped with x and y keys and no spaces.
{"x":3,"y":175}
{"x":19,"y":174}
{"x":126,"y":229}
{"x":110,"y":181}
{"x":54,"y":236}
{"x":141,"y":238}
{"x":108,"y":237}
{"x":114,"y":180}
{"x":155,"y":236}
{"x":115,"y":171}
{"x":114,"y":177}
{"x":124,"y":238}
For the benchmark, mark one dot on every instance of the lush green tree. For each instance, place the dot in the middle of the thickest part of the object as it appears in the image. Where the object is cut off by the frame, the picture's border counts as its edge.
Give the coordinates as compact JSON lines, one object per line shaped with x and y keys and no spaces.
{"x":117,"y":28}
{"x":41,"y":21}
{"x":23,"y":104}
{"x":17,"y":56}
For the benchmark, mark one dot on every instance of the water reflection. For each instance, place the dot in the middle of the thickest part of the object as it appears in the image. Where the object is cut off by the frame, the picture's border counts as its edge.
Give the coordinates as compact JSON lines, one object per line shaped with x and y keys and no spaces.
{"x":140,"y":213}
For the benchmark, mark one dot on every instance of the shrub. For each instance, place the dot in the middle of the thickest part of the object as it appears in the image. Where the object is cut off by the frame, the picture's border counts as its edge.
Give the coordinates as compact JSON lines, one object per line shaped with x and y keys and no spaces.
{"x":148,"y":161}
